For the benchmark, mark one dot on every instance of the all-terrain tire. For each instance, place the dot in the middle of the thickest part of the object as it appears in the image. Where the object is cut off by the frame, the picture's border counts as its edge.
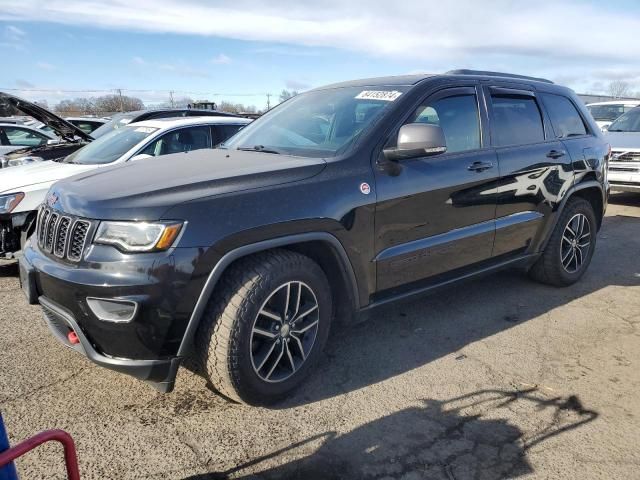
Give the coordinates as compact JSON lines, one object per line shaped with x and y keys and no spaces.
{"x":225,"y":339}
{"x":549,"y":267}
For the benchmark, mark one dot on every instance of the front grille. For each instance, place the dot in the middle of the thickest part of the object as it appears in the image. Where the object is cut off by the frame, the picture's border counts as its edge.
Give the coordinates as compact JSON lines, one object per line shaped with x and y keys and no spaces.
{"x":62,"y":235}
{"x":623,"y":156}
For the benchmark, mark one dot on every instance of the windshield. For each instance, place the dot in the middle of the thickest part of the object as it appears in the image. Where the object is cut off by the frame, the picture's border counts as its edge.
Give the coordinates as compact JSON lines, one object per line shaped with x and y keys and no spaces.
{"x":117,"y":121}
{"x":316,"y":124}
{"x":110,"y":147}
{"x":629,"y":122}
{"x":607,"y":112}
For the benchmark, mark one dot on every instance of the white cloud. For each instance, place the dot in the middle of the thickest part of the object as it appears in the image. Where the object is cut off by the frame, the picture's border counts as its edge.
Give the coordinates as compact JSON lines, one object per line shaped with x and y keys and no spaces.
{"x":559,"y":38}
{"x":13,"y":37}
{"x":221,"y":59}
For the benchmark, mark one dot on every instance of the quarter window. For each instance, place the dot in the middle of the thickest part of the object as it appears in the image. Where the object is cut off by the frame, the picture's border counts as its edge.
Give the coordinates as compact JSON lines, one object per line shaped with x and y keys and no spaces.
{"x":516,"y":120}
{"x":457,"y":116}
{"x":565,"y":119}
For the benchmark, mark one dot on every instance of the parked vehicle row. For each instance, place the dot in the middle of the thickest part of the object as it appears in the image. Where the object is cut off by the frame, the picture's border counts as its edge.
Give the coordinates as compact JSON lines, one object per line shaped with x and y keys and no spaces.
{"x":339,"y":200}
{"x":23,"y":186}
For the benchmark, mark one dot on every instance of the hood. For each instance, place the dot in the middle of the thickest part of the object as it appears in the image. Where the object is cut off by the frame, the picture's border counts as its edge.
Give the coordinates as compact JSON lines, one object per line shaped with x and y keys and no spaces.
{"x":145,"y":189}
{"x":15,"y":178}
{"x":623,"y":140}
{"x":61,"y":127}
{"x":46,"y":152}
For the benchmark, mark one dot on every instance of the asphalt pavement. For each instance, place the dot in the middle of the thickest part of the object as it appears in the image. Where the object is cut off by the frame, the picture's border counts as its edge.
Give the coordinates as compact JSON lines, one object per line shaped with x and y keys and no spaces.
{"x":499,"y":377}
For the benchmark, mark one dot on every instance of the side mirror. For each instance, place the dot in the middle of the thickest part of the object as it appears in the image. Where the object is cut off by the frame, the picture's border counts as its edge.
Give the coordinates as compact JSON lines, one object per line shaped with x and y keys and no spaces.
{"x":605,"y":127}
{"x":140,"y":156}
{"x":53,"y":142}
{"x":417,"y":140}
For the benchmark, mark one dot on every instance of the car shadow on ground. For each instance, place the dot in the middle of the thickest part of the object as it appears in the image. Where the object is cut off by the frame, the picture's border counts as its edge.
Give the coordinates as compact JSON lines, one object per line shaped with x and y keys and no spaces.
{"x":463,"y":437}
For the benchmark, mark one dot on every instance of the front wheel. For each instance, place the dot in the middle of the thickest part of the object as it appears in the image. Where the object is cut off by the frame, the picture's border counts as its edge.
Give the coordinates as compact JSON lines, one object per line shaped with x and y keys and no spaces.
{"x":266,"y":327}
{"x":570,"y":248}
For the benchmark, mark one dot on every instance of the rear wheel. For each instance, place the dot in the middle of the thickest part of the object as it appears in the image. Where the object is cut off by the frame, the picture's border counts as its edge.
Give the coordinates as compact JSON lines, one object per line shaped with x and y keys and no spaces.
{"x":266,"y":327}
{"x":570,"y":248}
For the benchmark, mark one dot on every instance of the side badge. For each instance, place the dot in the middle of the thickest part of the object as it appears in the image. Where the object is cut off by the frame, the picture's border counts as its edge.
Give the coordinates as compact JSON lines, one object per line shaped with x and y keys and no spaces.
{"x":365,"y":188}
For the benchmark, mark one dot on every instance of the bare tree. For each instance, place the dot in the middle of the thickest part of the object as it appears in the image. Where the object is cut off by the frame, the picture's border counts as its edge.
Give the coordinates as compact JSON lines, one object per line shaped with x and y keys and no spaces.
{"x":117,"y":103}
{"x":286,"y":94}
{"x":76,"y":106}
{"x":619,"y":88}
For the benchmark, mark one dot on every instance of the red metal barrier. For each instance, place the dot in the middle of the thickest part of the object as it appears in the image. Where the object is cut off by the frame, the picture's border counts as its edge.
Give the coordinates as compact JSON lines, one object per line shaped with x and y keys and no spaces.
{"x":70,"y":459}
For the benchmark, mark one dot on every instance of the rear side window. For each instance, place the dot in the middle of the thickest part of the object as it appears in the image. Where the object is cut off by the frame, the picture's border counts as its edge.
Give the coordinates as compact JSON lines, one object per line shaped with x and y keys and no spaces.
{"x":516,"y":120}
{"x":565,"y":119}
{"x":222,"y":133}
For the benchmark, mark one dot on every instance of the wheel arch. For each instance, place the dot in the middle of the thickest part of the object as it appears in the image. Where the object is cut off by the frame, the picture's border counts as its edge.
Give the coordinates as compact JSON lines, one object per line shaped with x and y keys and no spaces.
{"x":590,"y":190}
{"x":322,"y":247}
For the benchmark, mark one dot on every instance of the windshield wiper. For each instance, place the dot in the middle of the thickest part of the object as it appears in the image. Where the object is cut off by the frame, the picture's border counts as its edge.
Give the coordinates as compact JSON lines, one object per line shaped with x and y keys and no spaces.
{"x":614,"y":130}
{"x":259,"y":148}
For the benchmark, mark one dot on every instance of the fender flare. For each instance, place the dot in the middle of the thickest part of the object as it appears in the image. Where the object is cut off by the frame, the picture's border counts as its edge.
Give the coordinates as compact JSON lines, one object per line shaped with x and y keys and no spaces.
{"x":575,"y":188}
{"x":233,"y":255}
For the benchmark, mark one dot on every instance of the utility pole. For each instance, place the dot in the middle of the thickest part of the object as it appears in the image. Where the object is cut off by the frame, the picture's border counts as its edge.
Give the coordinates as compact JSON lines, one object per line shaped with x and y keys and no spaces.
{"x":171,"y":98}
{"x":268,"y":101}
{"x":119,"y":90}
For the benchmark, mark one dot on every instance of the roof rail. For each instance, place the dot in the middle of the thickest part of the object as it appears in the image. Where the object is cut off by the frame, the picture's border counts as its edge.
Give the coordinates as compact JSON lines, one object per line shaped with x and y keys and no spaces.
{"x":465,"y":71}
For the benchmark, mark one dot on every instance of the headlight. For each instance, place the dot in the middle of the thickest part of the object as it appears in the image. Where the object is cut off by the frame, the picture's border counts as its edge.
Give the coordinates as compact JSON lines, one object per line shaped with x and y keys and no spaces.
{"x":138,"y":236}
{"x":10,"y":201}
{"x":14,"y":162}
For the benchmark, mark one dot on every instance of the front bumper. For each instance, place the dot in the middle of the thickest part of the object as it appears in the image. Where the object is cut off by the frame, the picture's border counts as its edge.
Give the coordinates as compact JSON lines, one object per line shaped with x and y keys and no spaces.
{"x":146,"y":347}
{"x":624,"y":176}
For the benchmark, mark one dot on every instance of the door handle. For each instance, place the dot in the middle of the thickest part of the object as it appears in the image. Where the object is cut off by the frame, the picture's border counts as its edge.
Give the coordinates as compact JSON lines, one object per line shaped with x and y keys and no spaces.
{"x":480,"y":166}
{"x":556,"y":154}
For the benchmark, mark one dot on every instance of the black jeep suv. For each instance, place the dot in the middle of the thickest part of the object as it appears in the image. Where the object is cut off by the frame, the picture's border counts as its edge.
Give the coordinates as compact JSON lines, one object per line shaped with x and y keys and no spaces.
{"x":337,"y":201}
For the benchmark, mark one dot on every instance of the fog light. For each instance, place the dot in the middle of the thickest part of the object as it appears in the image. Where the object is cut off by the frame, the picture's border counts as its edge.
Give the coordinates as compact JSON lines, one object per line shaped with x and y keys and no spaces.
{"x":111,"y":310}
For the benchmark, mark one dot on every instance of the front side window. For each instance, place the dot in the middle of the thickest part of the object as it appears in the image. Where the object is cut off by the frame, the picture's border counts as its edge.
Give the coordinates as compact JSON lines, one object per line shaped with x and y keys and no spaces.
{"x":565,"y":119}
{"x":180,"y":141}
{"x":458,"y":117}
{"x":110,"y":147}
{"x":21,"y":137}
{"x":320,"y":123}
{"x":516,"y":120}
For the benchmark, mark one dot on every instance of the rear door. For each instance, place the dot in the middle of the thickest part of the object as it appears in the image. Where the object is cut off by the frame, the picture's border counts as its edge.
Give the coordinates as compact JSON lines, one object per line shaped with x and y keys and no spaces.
{"x":535,"y":167}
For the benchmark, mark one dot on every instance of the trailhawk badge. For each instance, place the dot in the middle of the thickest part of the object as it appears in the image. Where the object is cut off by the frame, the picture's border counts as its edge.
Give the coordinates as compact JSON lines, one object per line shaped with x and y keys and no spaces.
{"x":365,"y":188}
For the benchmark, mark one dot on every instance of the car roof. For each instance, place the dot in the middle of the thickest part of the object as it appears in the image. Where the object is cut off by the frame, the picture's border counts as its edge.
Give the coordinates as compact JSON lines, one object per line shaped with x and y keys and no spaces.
{"x":463,"y":74}
{"x":88,"y":119}
{"x":186,"y":121}
{"x":616,"y":102}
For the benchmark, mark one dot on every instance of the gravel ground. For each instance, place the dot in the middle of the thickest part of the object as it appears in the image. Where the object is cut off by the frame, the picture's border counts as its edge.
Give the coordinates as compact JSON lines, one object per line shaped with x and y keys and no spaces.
{"x":496,"y":378}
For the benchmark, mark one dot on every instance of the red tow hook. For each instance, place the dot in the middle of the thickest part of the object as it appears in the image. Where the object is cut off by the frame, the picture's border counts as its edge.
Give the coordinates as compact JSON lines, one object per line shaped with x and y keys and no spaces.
{"x":73,"y":338}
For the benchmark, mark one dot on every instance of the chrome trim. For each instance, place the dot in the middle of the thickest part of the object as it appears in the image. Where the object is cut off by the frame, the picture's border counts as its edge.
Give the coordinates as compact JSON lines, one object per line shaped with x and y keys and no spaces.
{"x":136,"y":307}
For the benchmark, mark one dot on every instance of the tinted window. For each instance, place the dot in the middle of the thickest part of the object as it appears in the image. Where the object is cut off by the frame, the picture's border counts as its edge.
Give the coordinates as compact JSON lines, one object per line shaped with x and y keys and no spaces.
{"x":458,"y":118}
{"x":222,"y":133}
{"x":565,"y":119}
{"x":183,"y":140}
{"x":516,"y":120}
{"x":607,"y":112}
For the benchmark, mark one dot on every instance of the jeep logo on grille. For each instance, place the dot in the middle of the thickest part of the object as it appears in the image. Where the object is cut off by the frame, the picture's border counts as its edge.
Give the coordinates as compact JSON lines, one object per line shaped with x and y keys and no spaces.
{"x":52,"y":199}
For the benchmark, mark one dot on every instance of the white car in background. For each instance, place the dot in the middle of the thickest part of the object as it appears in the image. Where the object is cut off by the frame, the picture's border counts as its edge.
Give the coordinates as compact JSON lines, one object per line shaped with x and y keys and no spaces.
{"x":624,"y":166}
{"x":14,"y":136}
{"x":23,"y":188}
{"x":606,"y":112}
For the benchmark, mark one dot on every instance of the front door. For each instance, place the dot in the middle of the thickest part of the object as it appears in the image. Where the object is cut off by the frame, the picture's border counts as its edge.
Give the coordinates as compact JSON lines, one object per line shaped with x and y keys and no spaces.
{"x":436,"y":214}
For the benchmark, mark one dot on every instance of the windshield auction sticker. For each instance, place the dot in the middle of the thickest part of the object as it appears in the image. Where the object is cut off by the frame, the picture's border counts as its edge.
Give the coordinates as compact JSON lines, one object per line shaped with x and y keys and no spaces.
{"x":387,"y":96}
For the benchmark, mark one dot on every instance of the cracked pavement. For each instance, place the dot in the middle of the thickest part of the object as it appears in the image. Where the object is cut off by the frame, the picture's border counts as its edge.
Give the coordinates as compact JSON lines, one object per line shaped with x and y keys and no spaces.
{"x":495,"y":378}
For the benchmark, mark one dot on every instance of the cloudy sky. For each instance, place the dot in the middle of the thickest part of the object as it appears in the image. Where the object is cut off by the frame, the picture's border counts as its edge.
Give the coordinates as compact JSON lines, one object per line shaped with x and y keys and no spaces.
{"x":242,"y":49}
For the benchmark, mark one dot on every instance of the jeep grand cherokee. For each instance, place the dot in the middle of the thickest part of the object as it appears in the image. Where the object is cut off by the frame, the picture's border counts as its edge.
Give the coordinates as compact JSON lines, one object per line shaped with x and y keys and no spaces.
{"x":337,"y":201}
